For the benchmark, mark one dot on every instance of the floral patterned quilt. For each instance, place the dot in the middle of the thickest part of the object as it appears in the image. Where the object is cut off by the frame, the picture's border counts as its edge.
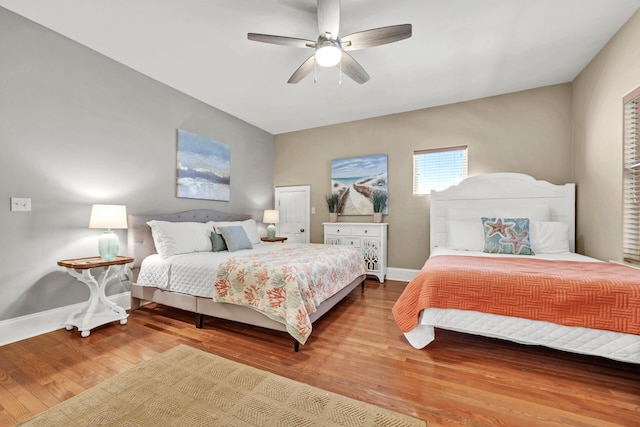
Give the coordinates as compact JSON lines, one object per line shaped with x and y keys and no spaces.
{"x":288,"y":283}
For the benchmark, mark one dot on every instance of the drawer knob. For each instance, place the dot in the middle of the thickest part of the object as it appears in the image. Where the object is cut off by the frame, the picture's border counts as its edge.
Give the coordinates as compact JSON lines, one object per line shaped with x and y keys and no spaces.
{"x":365,"y":231}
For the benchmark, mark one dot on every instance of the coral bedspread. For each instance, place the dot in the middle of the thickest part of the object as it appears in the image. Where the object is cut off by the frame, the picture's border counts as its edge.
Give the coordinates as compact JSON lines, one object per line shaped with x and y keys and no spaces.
{"x":593,"y":295}
{"x":287,"y":285}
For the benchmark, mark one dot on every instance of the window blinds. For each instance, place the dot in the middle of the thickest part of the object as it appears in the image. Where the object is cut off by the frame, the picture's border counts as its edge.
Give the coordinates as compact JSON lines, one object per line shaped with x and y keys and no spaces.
{"x":439,"y":168}
{"x":631,"y":190}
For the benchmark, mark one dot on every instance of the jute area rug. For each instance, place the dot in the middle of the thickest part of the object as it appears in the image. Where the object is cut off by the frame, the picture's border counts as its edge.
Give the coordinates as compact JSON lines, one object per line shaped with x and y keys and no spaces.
{"x":188,"y":387}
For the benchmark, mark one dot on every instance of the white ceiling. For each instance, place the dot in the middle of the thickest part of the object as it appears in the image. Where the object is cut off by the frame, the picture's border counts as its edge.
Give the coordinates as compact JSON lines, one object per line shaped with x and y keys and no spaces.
{"x":460,"y":50}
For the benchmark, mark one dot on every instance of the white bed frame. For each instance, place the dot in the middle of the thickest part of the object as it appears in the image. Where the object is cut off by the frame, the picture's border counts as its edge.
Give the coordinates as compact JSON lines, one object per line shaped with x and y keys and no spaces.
{"x":502,"y":190}
{"x":509,"y":190}
{"x":140,"y":245}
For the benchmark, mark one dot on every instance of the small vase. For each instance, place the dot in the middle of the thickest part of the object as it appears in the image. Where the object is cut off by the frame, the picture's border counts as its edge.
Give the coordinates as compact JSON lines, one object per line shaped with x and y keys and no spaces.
{"x":377,"y":217}
{"x":333,"y":217}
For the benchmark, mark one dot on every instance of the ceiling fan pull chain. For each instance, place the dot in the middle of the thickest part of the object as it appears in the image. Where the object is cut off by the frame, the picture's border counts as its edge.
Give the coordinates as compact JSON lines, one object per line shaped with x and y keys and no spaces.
{"x":340,"y":74}
{"x":315,"y":72}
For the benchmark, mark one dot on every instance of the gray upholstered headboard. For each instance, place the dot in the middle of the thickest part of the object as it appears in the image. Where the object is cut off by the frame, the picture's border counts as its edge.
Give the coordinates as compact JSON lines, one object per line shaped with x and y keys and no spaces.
{"x":140,"y":241}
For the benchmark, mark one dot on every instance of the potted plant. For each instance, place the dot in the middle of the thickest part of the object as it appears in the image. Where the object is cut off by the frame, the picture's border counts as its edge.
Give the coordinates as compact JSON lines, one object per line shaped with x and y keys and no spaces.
{"x":333,"y":201}
{"x":379,"y":201}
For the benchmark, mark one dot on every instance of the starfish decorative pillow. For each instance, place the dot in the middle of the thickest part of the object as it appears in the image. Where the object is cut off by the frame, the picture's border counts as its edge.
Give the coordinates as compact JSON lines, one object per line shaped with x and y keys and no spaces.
{"x":507,"y":236}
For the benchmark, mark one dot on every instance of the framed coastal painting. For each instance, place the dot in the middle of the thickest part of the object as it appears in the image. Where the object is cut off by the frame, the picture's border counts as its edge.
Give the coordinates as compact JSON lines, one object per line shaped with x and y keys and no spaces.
{"x":204,"y":168}
{"x":356,"y":179}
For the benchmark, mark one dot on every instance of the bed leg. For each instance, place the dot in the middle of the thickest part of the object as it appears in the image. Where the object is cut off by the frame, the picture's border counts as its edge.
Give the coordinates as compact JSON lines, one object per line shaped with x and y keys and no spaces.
{"x":296,"y":345}
{"x":199,"y":320}
{"x":362,"y":285}
{"x":135,"y":303}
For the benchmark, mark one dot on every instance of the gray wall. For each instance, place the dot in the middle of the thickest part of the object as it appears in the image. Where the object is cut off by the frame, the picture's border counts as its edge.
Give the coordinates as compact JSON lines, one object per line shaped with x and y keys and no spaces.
{"x":527,"y":132}
{"x":77,"y":128}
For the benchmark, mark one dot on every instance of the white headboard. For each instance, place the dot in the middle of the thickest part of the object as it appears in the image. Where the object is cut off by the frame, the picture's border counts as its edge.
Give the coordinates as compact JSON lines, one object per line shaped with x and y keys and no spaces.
{"x":502,"y":190}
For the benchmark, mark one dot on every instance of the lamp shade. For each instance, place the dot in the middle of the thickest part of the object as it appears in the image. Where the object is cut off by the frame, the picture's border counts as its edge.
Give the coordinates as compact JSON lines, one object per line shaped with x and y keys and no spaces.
{"x":108,"y":216}
{"x":271,"y":217}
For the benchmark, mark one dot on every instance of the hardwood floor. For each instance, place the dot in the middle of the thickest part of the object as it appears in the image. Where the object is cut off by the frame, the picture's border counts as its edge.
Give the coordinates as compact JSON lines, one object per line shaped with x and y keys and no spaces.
{"x":355,"y":350}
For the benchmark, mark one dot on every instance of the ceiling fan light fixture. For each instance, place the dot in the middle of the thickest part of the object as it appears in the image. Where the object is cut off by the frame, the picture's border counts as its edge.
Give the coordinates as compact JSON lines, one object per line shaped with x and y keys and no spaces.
{"x":328,"y":53}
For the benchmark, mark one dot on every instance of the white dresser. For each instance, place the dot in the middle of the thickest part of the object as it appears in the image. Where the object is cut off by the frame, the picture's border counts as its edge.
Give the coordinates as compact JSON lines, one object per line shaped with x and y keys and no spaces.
{"x":370,"y":237}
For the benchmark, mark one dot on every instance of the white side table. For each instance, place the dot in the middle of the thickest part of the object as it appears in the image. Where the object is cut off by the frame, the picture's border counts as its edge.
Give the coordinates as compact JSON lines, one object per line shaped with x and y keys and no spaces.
{"x":99,"y":309}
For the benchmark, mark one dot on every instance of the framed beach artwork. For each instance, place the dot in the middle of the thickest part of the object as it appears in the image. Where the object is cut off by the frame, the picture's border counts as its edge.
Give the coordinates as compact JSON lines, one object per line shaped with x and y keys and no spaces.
{"x":356,"y":179}
{"x":204,"y":168}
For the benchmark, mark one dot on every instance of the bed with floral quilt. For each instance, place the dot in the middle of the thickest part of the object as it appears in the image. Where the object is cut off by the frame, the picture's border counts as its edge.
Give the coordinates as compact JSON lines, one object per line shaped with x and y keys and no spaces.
{"x":215,"y":265}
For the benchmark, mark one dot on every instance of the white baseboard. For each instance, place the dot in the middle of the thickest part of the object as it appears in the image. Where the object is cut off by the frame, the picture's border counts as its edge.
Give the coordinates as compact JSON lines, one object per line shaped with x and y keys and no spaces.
{"x":31,"y":325}
{"x":402,"y":274}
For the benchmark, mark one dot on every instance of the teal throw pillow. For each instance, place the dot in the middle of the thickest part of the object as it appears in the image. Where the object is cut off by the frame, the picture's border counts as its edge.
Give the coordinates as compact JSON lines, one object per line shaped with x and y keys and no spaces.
{"x":507,"y":236}
{"x":217,"y":242}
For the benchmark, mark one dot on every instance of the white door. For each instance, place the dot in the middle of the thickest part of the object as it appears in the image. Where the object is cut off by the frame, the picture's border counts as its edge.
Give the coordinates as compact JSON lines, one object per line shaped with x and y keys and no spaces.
{"x":293,"y":205}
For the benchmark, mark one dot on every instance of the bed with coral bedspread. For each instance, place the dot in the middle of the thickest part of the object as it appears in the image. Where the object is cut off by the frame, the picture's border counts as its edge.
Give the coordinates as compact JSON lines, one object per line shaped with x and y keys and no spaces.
{"x":551,"y":296}
{"x":285,"y":287}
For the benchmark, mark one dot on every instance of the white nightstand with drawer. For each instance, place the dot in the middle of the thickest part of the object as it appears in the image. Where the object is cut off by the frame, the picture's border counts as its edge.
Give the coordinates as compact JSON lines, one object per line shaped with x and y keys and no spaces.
{"x":370,"y":238}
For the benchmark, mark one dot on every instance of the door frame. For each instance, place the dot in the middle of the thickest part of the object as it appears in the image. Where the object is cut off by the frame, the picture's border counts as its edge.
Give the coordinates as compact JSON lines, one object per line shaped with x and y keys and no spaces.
{"x":307,"y":200}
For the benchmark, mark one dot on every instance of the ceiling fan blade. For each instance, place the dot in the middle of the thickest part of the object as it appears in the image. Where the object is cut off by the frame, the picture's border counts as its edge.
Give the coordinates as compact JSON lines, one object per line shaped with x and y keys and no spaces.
{"x":353,"y":69}
{"x":376,"y":37}
{"x":281,"y":40}
{"x":303,"y":70}
{"x":329,"y":18}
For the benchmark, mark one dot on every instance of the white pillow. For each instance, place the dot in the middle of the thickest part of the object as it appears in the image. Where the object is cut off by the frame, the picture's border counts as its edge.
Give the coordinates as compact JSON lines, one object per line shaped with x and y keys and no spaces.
{"x":549,"y":237}
{"x":465,"y":235}
{"x":534,"y":213}
{"x":249,"y":225}
{"x":172,"y":238}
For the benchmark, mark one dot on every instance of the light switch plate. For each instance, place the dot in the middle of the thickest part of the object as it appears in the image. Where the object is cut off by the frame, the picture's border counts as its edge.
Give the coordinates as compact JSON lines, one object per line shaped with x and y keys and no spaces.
{"x":21,"y":204}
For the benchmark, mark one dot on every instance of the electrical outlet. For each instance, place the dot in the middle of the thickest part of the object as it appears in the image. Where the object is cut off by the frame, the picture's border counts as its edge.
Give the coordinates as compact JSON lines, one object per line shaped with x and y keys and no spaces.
{"x":313,"y":211}
{"x":21,"y":204}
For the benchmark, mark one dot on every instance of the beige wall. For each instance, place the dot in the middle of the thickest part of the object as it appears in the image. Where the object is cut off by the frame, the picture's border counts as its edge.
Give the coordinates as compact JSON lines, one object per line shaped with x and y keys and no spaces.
{"x":597,"y":141}
{"x":527,"y":132}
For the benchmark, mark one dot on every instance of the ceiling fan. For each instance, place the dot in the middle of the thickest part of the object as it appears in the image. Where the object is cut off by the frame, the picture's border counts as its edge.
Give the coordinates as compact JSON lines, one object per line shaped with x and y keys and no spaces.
{"x":330,"y":48}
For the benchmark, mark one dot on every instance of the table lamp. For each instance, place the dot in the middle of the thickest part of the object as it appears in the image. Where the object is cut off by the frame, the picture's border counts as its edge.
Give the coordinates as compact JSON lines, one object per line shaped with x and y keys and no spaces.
{"x":271,"y":217}
{"x":108,"y":216}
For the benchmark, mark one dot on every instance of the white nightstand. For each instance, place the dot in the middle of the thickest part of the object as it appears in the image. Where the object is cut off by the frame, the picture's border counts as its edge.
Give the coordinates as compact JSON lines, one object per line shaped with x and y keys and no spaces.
{"x":99,"y":309}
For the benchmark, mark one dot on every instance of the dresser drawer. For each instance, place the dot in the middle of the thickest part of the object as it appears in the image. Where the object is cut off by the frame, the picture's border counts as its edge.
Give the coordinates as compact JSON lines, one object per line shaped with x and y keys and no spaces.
{"x":338,"y":230}
{"x":365,"y":231}
{"x":351,"y":241}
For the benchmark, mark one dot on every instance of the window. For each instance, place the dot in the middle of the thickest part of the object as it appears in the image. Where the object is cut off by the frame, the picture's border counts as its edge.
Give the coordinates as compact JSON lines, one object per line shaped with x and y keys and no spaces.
{"x":438,"y":168}
{"x":631,"y":189}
